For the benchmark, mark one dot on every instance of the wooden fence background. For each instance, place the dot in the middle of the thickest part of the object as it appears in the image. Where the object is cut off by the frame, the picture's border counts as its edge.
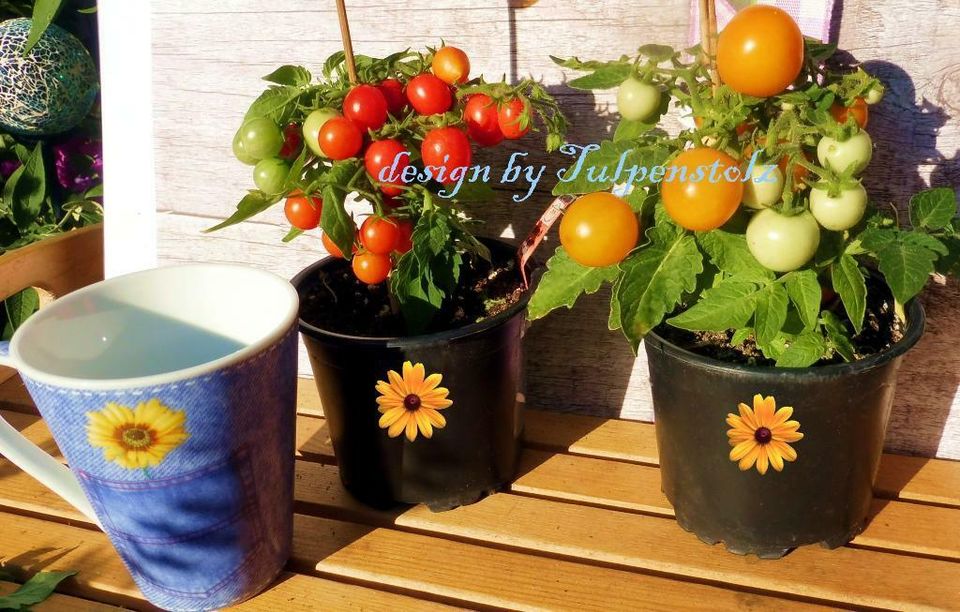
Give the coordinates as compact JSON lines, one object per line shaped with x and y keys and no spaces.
{"x":209,"y":56}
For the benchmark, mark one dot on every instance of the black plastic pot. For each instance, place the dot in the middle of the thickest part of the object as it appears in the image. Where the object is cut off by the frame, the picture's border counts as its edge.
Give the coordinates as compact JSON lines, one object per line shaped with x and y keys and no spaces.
{"x":823,"y":496}
{"x":475,"y":453}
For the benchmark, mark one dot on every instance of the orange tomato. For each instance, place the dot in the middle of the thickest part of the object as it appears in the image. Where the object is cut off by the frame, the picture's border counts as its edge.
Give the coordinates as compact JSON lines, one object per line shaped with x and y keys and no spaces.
{"x":799,"y":172}
{"x":760,"y":52}
{"x":451,"y":65}
{"x":858,"y":110}
{"x":696,"y":193}
{"x":331,"y":246}
{"x":371,"y":268}
{"x":599,"y":230}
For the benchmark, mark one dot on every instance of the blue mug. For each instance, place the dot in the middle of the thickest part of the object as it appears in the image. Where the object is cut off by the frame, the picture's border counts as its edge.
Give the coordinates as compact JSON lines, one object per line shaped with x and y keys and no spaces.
{"x":172,"y":394}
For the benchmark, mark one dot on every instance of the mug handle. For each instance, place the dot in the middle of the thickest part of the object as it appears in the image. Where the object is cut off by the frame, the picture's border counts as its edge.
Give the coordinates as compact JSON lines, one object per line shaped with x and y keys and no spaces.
{"x":33,"y":460}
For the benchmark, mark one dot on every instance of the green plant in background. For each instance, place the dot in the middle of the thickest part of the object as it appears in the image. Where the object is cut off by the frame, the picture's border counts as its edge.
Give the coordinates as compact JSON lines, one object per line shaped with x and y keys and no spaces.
{"x":781,"y":260}
{"x":35,"y":590}
{"x":48,"y":184}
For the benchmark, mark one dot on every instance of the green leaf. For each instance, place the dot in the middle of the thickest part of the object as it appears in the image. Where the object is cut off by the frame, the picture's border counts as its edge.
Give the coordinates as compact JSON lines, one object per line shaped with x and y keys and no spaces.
{"x":604,"y":77}
{"x":25,"y":189}
{"x":771,"y":312}
{"x":44,"y":12}
{"x":254,"y":203}
{"x":294,"y":232}
{"x":805,"y":293}
{"x":654,"y":279}
{"x":564,"y":281}
{"x":276,"y":103}
{"x":730,"y":253}
{"x":613,"y":321}
{"x":334,"y":219}
{"x":838,"y":336}
{"x":656,"y":53}
{"x":290,"y":75}
{"x":40,"y":586}
{"x":596,"y":165}
{"x":934,"y":208}
{"x":18,"y":307}
{"x":729,"y":305}
{"x":848,"y":281}
{"x":740,"y":335}
{"x":805,"y":350}
{"x":905,"y":266}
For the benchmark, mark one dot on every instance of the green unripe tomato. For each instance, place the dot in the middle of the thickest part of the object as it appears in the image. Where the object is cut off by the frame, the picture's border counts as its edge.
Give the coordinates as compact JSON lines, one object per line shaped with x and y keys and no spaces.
{"x":239,"y":153}
{"x":270,"y":175}
{"x":759,"y":193}
{"x":636,"y":100}
{"x":312,"y":125}
{"x":261,"y":138}
{"x":781,"y":243}
{"x":840,"y":156}
{"x":839,"y":213}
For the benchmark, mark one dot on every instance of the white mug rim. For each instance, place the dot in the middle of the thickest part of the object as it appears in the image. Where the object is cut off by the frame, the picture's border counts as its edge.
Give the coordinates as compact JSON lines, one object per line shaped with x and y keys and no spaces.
{"x":269,"y":339}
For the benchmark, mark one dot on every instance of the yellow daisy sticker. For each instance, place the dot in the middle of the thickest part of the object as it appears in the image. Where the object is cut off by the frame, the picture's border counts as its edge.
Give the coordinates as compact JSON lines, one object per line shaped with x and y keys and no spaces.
{"x":136,"y":438}
{"x":762,"y":436}
{"x":411,"y":402}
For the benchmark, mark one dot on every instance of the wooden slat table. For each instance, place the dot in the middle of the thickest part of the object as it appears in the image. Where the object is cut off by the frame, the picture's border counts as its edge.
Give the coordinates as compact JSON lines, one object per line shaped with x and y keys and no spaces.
{"x":584,"y":527}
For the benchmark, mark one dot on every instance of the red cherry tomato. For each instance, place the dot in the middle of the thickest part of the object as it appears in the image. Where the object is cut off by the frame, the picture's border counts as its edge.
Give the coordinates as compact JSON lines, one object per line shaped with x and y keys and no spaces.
{"x":340,"y":138}
{"x":380,"y":157}
{"x":292,"y":141}
{"x":480,"y":114}
{"x":451,"y":65}
{"x":429,"y":95}
{"x":365,"y":106}
{"x":405,"y":240}
{"x":302,"y":213}
{"x":371,"y":268}
{"x":331,"y":247}
{"x":446,"y":149}
{"x":858,"y":110}
{"x":379,"y":235}
{"x":392,"y":91}
{"x":509,"y":117}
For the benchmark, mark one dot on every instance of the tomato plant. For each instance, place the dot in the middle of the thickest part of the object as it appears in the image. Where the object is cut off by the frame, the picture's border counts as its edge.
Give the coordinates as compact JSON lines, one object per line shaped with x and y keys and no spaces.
{"x":781,"y":280}
{"x":428,"y":95}
{"x":599,"y":229}
{"x":445,"y":150}
{"x":710,"y":201}
{"x":366,"y":107}
{"x":371,"y":268}
{"x":760,"y":51}
{"x":451,"y":65}
{"x":481,"y":117}
{"x":353,"y":128}
{"x":513,"y":117}
{"x":340,"y":138}
{"x":303,"y":213}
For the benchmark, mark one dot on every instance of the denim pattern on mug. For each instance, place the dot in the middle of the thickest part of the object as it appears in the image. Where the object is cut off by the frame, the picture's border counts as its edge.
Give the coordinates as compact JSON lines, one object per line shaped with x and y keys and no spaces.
{"x":210,"y":519}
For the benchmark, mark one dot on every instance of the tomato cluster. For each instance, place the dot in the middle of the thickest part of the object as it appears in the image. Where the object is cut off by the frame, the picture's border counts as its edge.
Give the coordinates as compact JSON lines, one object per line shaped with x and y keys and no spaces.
{"x":786,"y":196}
{"x":430,"y":119}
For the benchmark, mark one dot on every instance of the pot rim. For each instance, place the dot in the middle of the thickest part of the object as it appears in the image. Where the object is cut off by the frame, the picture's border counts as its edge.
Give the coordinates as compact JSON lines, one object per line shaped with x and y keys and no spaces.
{"x":444,"y":336}
{"x":916,"y":322}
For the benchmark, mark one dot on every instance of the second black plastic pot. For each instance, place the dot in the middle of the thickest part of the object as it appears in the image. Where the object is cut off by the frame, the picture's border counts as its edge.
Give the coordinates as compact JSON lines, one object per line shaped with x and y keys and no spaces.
{"x":823,"y":495}
{"x":476,"y":451}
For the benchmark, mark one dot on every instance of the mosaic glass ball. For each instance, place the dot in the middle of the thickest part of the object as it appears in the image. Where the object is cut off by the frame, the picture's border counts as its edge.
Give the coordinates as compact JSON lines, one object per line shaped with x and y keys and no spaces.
{"x":51,"y":89}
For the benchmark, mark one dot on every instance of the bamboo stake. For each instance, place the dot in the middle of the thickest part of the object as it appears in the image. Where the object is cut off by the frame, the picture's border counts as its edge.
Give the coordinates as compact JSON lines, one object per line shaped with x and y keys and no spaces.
{"x":708,"y":38}
{"x":347,"y":42}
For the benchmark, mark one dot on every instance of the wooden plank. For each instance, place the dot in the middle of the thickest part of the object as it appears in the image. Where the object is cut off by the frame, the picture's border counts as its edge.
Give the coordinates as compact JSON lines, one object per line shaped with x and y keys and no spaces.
{"x":469,"y":573}
{"x":58,"y":602}
{"x":60,"y":264}
{"x":503,"y":579}
{"x":894,"y":527}
{"x":900,"y":477}
{"x":30,"y":544}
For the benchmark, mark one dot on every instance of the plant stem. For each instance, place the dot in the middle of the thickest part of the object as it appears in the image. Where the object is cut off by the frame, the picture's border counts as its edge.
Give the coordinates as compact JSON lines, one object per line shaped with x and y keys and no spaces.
{"x":347,"y":42}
